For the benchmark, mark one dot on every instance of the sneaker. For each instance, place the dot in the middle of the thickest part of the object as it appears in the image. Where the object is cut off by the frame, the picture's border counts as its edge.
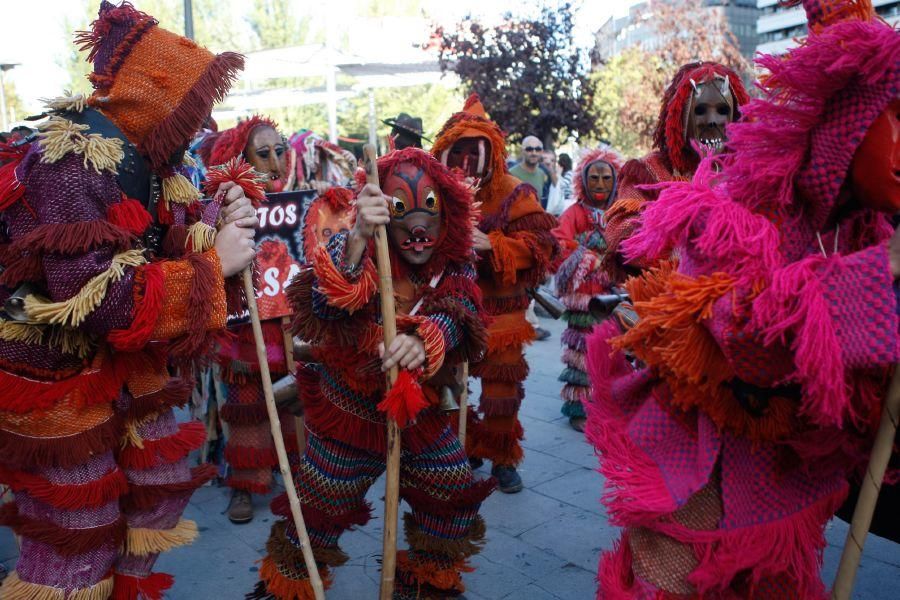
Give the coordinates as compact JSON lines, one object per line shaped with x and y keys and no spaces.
{"x":240,"y":508}
{"x":508,"y":480}
{"x":541,"y":334}
{"x":475,"y":462}
{"x":577,"y":423}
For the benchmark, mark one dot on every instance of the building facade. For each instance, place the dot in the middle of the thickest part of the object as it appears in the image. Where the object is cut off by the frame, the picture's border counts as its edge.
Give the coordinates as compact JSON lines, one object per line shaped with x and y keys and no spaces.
{"x":778,"y":27}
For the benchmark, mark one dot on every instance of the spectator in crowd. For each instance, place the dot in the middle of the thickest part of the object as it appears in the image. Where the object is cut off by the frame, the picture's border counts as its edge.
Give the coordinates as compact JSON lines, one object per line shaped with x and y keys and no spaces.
{"x":406,"y":131}
{"x":528,"y":169}
{"x":565,"y":181}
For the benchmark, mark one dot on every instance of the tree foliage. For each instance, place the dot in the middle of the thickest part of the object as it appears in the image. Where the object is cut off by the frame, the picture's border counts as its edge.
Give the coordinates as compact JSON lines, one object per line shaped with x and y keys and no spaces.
{"x":629,"y":87}
{"x":529,"y":73}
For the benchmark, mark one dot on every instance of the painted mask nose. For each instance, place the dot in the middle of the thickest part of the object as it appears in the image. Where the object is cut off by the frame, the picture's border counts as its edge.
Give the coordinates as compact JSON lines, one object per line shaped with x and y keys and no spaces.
{"x":418,"y":231}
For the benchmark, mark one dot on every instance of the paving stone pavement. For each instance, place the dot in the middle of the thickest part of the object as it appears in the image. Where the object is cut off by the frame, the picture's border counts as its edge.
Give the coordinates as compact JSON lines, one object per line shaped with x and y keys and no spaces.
{"x":542,"y":544}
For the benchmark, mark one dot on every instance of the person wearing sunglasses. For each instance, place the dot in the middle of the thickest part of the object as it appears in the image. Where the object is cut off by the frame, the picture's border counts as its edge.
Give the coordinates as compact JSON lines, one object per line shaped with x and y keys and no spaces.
{"x":529,"y":170}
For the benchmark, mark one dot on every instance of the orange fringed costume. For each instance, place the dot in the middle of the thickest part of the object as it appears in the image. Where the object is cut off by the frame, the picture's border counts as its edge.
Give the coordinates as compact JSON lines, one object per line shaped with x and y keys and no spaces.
{"x":522,"y":249}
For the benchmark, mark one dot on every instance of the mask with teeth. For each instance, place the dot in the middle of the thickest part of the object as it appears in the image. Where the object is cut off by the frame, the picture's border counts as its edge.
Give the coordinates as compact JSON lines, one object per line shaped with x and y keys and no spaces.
{"x":266,"y":151}
{"x":415,"y":212}
{"x":710,"y":109}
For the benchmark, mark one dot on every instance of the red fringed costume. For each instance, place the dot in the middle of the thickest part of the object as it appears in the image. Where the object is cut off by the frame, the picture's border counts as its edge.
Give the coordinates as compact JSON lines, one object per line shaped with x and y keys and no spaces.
{"x":99,"y":299}
{"x":522,"y":250}
{"x":250,"y":451}
{"x":767,"y":350}
{"x":343,"y":394}
{"x":673,"y":157}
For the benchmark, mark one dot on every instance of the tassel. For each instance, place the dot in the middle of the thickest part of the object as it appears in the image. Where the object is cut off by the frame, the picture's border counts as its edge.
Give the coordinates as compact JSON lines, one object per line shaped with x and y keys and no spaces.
{"x":68,"y":102}
{"x":200,"y":237}
{"x":11,"y":189}
{"x":404,"y":400}
{"x":239,"y":171}
{"x":177,"y":189}
{"x":129,"y":587}
{"x":130,"y":215}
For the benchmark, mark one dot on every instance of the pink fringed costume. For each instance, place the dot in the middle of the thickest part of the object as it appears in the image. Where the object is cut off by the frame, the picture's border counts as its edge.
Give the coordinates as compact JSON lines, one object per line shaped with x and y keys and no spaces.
{"x":580,"y":275}
{"x":767,"y":350}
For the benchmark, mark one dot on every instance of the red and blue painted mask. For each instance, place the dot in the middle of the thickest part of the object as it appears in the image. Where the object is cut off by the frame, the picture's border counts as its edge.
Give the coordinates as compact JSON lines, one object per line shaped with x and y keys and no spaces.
{"x":415,"y":212}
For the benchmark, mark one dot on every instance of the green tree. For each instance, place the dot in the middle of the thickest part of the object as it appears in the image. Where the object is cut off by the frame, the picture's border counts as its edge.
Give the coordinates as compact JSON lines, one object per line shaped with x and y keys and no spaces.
{"x":15,"y":109}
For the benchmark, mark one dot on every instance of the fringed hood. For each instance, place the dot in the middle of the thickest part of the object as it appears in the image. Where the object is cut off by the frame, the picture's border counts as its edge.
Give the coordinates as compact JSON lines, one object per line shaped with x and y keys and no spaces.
{"x":457,"y":211}
{"x":156,"y":86}
{"x":670,"y":136}
{"x":473,"y":122}
{"x":602,"y":154}
{"x":231,"y":142}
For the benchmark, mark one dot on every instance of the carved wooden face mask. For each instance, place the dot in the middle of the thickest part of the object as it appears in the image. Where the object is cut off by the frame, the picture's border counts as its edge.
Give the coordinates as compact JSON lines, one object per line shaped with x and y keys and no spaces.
{"x":875,"y":170}
{"x":599,"y":183}
{"x":471,"y":155}
{"x":267,"y":152}
{"x":415,"y":212}
{"x":711,"y":109}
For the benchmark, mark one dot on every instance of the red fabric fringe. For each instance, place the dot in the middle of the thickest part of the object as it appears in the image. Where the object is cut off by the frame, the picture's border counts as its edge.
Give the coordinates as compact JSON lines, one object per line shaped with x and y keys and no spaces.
{"x":243,"y":414}
{"x":500,"y":447}
{"x":469,"y":498}
{"x":21,"y":395}
{"x":149,"y":291}
{"x":176,"y":392}
{"x":22,"y":268}
{"x":248,"y":485}
{"x":20,"y":451}
{"x":129,"y":587}
{"x":129,"y":215}
{"x":167,"y":450}
{"x":64,"y":496}
{"x":341,"y":293}
{"x":72,"y":238}
{"x":66,"y":542}
{"x":144,"y":497}
{"x":246,"y":457}
{"x":404,"y":400}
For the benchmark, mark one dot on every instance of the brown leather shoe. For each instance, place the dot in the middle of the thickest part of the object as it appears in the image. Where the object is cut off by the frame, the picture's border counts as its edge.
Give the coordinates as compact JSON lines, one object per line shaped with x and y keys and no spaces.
{"x":240,"y":508}
{"x":577,"y":423}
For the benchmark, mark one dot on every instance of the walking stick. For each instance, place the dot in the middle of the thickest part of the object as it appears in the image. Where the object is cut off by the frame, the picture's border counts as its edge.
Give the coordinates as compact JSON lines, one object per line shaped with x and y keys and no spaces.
{"x":299,"y":425}
{"x":464,"y":405}
{"x":389,"y":323}
{"x":868,"y":493}
{"x":275,"y":425}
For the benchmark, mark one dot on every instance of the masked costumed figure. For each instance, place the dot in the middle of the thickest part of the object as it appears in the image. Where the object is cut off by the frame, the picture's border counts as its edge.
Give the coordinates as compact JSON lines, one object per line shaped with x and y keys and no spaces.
{"x":516,"y":249}
{"x":582,"y":273}
{"x":701,"y":100}
{"x":320,"y":163}
{"x":343,"y":394}
{"x":769,"y":348}
{"x":250,"y":451}
{"x":103,"y":285}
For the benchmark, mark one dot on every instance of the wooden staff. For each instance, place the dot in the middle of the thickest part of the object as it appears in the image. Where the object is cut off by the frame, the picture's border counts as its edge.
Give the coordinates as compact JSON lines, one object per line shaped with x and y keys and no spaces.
{"x":275,"y":425}
{"x":464,"y":405}
{"x":299,"y":425}
{"x":868,"y":493}
{"x":389,"y":323}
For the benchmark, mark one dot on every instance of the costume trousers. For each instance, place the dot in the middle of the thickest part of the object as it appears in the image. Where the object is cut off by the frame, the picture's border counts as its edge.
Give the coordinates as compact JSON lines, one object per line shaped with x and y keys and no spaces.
{"x":497,"y":434}
{"x":442,"y":529}
{"x":99,"y":493}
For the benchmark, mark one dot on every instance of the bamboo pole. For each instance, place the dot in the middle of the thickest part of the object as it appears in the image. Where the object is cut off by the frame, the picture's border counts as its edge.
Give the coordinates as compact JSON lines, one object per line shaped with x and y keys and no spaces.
{"x":868,"y":493}
{"x":389,"y":324}
{"x":299,"y":424}
{"x":275,"y":425}
{"x":464,"y":405}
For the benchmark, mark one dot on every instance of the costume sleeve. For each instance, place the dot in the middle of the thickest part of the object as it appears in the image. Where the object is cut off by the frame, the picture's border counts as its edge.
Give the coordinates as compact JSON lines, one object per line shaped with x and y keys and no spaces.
{"x":524,"y":250}
{"x":81,"y":242}
{"x":566,"y":232}
{"x":455,"y":308}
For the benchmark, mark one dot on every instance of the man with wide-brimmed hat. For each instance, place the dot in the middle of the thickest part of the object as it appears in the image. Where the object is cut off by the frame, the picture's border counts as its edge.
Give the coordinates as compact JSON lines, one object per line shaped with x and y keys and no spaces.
{"x":406,"y":131}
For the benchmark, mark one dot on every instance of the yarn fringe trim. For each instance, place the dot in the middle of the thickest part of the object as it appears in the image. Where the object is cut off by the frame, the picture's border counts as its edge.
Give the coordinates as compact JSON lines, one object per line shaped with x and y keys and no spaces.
{"x":65,"y":541}
{"x":141,"y":541}
{"x":152,"y":587}
{"x":167,"y":450}
{"x":21,"y":451}
{"x":15,"y":588}
{"x":339,"y":291}
{"x":67,"y":496}
{"x":275,"y":584}
{"x":444,"y":578}
{"x":144,"y":497}
{"x":454,"y":550}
